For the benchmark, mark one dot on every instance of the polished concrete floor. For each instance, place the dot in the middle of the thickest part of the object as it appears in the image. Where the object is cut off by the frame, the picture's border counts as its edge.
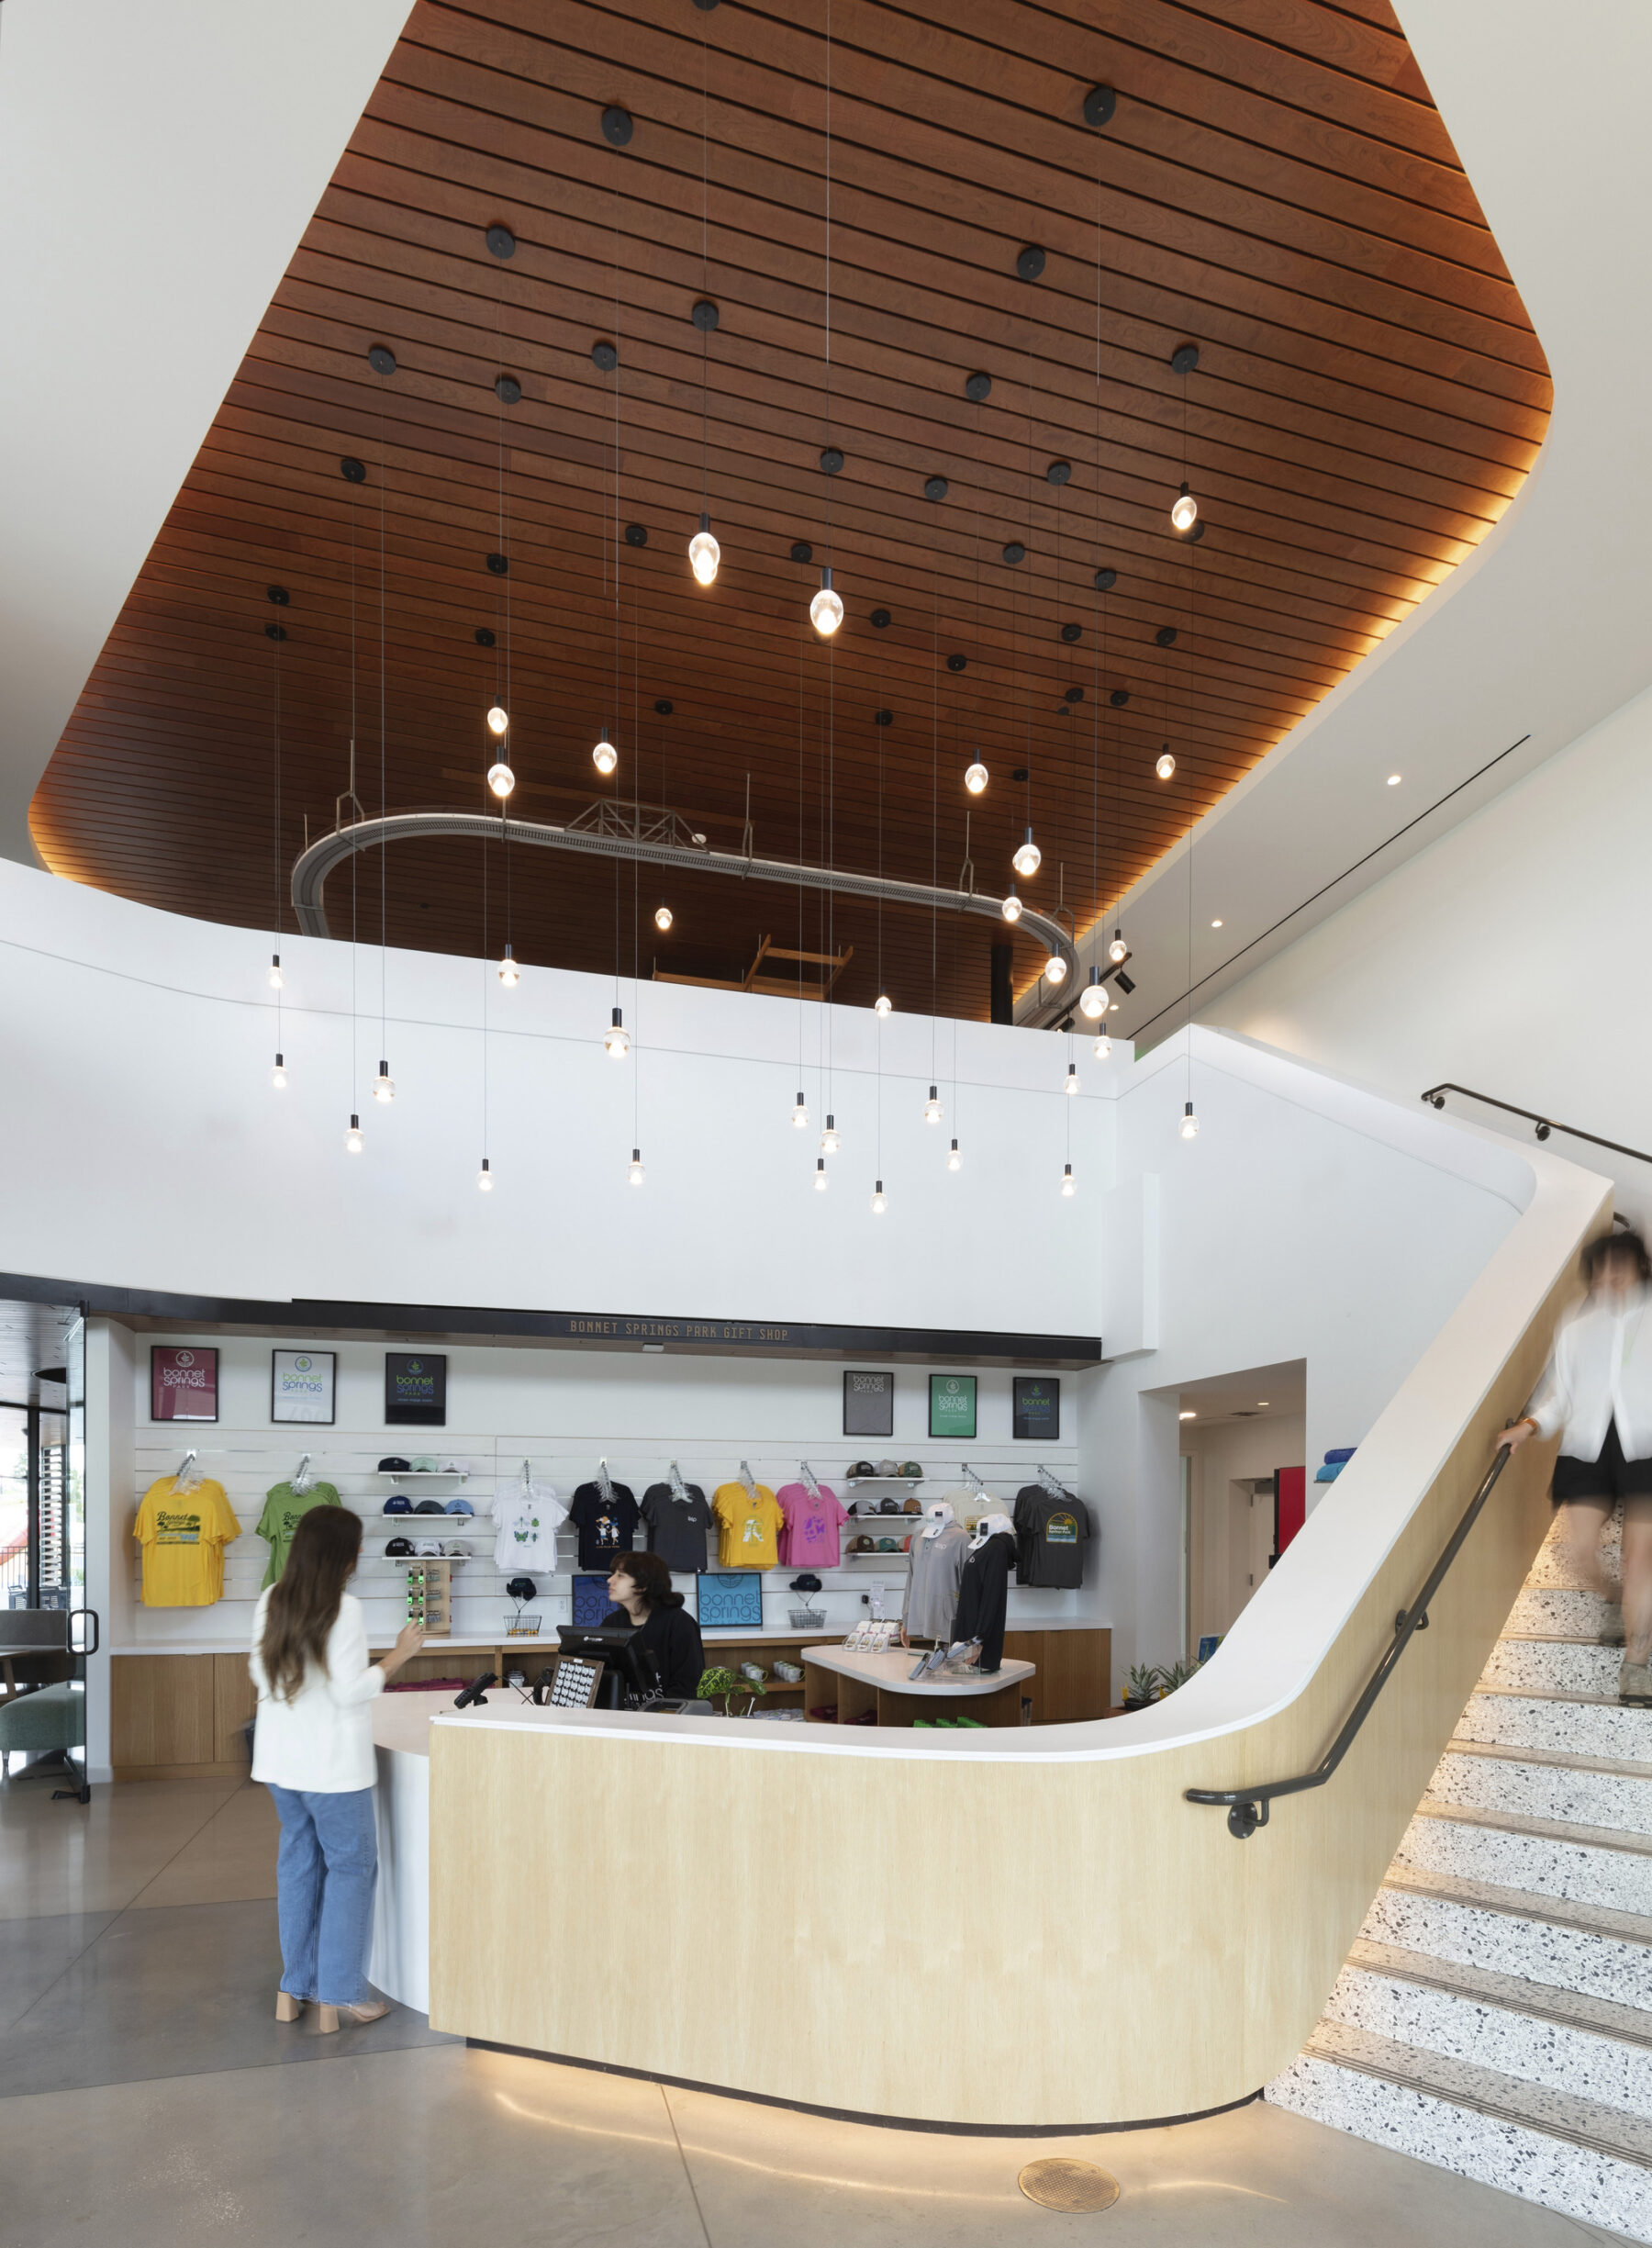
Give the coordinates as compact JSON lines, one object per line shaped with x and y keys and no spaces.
{"x":140,"y":2102}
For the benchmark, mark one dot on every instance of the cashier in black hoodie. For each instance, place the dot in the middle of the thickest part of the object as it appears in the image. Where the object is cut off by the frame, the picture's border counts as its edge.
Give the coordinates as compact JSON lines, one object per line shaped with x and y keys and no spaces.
{"x":666,"y":1639}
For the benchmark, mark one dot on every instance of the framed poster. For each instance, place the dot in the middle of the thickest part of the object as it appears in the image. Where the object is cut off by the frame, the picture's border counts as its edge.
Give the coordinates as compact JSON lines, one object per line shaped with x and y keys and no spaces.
{"x":1036,"y":1408}
{"x":301,"y":1385}
{"x":183,"y":1383}
{"x":868,"y":1404}
{"x":952,"y":1405}
{"x":415,"y":1389}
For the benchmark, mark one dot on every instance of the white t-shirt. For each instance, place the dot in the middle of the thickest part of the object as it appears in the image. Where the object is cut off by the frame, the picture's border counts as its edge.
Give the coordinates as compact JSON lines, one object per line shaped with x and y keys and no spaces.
{"x":527,"y":1517}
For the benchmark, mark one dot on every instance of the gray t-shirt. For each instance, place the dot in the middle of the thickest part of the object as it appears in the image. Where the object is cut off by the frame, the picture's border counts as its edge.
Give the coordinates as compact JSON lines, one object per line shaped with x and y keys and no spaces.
{"x":932,"y":1587}
{"x":676,"y":1530}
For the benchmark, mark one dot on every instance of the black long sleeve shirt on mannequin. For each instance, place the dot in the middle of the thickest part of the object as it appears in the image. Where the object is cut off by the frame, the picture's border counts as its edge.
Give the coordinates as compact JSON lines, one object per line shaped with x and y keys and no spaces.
{"x":984,"y":1599}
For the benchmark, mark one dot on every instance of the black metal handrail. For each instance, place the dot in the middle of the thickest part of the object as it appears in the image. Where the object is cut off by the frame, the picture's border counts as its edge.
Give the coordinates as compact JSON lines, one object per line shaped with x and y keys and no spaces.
{"x":1435,"y":1097}
{"x":1247,"y":1806}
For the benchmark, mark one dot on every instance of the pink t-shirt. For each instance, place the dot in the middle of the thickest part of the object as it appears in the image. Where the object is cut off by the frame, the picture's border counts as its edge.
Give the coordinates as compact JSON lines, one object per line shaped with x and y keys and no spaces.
{"x":809,"y":1539}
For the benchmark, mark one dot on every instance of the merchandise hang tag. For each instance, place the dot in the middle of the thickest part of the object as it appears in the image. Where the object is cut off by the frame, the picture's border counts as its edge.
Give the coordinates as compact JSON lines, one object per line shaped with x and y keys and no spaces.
{"x":603,"y":1484}
{"x":749,"y":1479}
{"x":679,"y":1490}
{"x":810,"y":1484}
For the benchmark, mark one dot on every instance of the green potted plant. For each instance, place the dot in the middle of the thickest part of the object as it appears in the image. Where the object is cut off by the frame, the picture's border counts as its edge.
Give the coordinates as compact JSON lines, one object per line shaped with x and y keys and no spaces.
{"x":720,"y":1683}
{"x":1144,"y":1687}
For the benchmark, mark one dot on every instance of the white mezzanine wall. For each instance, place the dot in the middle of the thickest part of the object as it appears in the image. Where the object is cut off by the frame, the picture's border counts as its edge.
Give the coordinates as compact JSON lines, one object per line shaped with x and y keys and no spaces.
{"x":153,"y":1153}
{"x":561,"y":1410}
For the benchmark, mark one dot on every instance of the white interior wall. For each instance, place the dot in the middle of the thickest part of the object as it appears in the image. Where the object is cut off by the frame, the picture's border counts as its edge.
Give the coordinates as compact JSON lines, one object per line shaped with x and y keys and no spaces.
{"x":1222,"y":1550}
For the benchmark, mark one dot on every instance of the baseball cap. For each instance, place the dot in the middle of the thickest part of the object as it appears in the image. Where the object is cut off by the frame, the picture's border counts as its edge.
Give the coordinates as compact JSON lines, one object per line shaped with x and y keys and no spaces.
{"x":397,"y":1548}
{"x":888,"y":1467}
{"x":913,"y":1506}
{"x":888,"y":1545}
{"x":454,"y":1548}
{"x":460,"y":1506}
{"x":430,"y":1507}
{"x":522,"y":1588}
{"x":863,"y":1545}
{"x":393,"y":1465}
{"x":860,"y":1470}
{"x":452,"y":1467}
{"x":888,"y":1506}
{"x":427,"y":1548}
{"x":398,"y":1503}
{"x":911,"y":1467}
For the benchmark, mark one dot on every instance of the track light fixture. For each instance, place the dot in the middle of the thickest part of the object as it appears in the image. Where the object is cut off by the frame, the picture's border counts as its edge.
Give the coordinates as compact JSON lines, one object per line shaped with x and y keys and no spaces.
{"x":634,"y":1173}
{"x":276,"y":979}
{"x":509,"y":973}
{"x":1092,"y":1000}
{"x":353,"y":1138}
{"x":976,"y":777}
{"x":384,"y":1085}
{"x":1189,"y":1122}
{"x":500,"y":778}
{"x":615,"y":1038}
{"x":704,"y":552}
{"x":931,"y":1107}
{"x":1012,"y":907}
{"x":826,"y":609}
{"x":1028,"y":858}
{"x":278,"y":1074}
{"x":605,"y":757}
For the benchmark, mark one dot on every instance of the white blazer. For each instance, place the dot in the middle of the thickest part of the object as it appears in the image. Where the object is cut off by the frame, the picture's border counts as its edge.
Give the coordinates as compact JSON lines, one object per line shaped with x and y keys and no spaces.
{"x":1600,"y":1371}
{"x":321,"y":1742}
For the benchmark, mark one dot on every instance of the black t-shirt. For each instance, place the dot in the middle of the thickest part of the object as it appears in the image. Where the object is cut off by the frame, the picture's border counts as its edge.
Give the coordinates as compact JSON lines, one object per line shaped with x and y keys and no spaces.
{"x":984,"y":1597}
{"x":668,"y":1643}
{"x":1051,"y":1535}
{"x":606,"y":1526}
{"x":676,"y":1532}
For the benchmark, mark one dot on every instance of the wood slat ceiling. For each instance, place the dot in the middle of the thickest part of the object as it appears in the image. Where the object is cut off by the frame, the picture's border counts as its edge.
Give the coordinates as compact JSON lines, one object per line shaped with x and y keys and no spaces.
{"x":1274,"y":186}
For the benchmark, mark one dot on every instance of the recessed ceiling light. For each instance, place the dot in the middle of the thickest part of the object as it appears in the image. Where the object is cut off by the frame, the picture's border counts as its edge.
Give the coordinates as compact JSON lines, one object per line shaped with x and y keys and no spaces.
{"x":1187,"y":1416}
{"x":1393,"y":781}
{"x":1215,"y":924}
{"x":1261,"y":1401}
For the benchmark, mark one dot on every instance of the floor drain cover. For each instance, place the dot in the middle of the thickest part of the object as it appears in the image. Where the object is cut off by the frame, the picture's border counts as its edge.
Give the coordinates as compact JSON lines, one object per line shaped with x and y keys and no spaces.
{"x":1076,"y":2186}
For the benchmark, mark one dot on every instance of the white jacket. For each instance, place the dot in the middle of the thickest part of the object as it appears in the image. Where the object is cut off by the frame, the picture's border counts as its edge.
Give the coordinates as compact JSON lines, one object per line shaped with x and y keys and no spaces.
{"x":321,"y":1742}
{"x":1600,"y":1371}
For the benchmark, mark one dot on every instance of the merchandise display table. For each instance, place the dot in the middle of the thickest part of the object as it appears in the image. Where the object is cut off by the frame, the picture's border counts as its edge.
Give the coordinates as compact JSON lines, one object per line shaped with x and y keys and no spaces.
{"x":399,"y":1964}
{"x":882,"y":1687}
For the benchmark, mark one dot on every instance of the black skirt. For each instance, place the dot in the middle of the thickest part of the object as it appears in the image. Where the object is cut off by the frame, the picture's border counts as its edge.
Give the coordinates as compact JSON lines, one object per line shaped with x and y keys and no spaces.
{"x":1609,"y":1477}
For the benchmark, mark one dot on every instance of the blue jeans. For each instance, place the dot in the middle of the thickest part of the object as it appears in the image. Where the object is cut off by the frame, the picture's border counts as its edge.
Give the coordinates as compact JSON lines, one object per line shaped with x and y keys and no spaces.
{"x":325,"y":1875}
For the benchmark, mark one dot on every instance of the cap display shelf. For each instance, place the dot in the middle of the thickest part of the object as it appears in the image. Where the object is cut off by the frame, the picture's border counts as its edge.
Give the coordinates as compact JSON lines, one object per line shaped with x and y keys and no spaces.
{"x":421,"y":1475}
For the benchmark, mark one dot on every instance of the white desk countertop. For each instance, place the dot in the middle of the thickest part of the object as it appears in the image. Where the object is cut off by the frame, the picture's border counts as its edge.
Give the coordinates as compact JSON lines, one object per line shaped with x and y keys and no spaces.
{"x":891,"y":1671}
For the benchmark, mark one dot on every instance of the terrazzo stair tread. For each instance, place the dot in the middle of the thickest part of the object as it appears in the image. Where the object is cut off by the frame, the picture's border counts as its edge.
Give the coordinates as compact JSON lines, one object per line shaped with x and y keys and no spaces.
{"x":1571,"y":1725}
{"x":1541,"y":1609}
{"x":1556,"y":1760}
{"x":1550,"y":1858}
{"x":1486,"y":2091}
{"x":1487,"y":1990}
{"x":1527,"y":1663}
{"x":1522,"y":1904}
{"x":1539,"y":1950}
{"x":1624,"y":1840}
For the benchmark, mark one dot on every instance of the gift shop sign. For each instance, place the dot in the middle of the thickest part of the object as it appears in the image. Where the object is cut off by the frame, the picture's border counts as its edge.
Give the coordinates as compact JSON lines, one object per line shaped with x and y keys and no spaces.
{"x":183,"y":1383}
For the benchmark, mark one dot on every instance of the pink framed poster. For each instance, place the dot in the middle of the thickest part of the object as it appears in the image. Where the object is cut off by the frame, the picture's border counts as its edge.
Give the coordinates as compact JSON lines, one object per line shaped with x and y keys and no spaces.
{"x":182,"y":1383}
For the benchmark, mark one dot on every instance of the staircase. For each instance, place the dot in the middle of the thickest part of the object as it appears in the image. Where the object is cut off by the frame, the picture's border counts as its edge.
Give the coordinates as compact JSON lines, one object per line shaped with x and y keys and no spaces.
{"x":1495,"y":2016}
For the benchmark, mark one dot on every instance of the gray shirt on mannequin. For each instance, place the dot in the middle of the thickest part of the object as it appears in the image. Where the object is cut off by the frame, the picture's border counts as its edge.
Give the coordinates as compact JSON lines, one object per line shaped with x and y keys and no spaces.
{"x":933,"y":1586}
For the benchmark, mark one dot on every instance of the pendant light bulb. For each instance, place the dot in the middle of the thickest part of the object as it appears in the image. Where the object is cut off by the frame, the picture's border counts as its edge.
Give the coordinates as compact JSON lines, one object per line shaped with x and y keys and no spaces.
{"x":509,"y":973}
{"x":1104,"y":1045}
{"x":1184,"y":509}
{"x":1167,"y":762}
{"x":830,"y":1139}
{"x":800,"y":1111}
{"x":826,"y":610}
{"x":1189,"y":1122}
{"x":384,"y":1085}
{"x":931,"y":1107}
{"x":498,"y":719}
{"x":616,"y":1039}
{"x":976,"y":777}
{"x":954,"y":1161}
{"x":277,"y":978}
{"x":1069,"y":1186}
{"x":1055,"y":969}
{"x":605,"y":757}
{"x":1092,"y":1000}
{"x":704,"y":552}
{"x":500,"y":778}
{"x":882,"y":1004}
{"x":278,"y":1074}
{"x":662,"y":918}
{"x":484,"y":1178}
{"x":634,"y":1170}
{"x":878,"y":1204}
{"x":1011,"y":907}
{"x":822,"y":1180}
{"x":353,"y":1138}
{"x":1072,"y":1079}
{"x":1029,"y":858}
{"x":1118,"y":950}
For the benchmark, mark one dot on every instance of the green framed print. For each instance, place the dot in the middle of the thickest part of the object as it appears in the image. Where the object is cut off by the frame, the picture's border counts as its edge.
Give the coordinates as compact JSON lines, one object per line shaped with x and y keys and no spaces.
{"x":953,"y":1406}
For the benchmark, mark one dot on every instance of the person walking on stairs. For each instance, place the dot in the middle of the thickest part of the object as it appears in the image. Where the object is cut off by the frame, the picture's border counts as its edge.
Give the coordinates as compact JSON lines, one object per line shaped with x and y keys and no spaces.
{"x":1596,"y":1396}
{"x":313,"y":1750}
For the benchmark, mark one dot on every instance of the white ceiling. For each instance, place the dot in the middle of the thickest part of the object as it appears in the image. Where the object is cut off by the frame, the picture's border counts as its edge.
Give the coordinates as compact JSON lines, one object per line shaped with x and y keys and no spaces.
{"x":1259,"y":1392}
{"x":1543,"y":631}
{"x":159,"y":163}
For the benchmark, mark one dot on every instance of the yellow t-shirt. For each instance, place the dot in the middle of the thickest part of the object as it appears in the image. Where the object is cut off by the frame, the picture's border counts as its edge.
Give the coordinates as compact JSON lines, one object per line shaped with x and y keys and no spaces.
{"x":747,"y":1526}
{"x":183,"y":1535}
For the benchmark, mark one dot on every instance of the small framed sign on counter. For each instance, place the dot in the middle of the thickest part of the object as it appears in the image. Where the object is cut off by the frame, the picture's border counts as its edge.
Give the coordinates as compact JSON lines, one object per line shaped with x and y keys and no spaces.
{"x":953,"y":1406}
{"x":183,"y":1383}
{"x":301,"y":1385}
{"x":1036,"y":1408}
{"x":415,"y":1389}
{"x":868,"y":1404}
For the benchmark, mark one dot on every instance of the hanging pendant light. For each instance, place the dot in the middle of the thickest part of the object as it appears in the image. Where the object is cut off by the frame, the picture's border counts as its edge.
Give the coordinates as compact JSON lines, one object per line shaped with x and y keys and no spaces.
{"x":931,"y":1107}
{"x":800,"y":1111}
{"x":1189,"y":1122}
{"x":822,"y":1180}
{"x":830,"y":1140}
{"x":882,"y":1004}
{"x":704,"y":552}
{"x":499,"y":719}
{"x":509,"y":973}
{"x":878,"y":1204}
{"x":1092,"y":1000}
{"x":605,"y":757}
{"x":1028,"y":858}
{"x":954,"y":1161}
{"x":278,"y":1074}
{"x":616,"y":1039}
{"x":1167,"y":762}
{"x":1118,"y":950}
{"x":1055,"y":969}
{"x":500,"y":778}
{"x":484,"y":1178}
{"x":662,"y":918}
{"x":384,"y":1085}
{"x":277,"y":978}
{"x":826,"y":609}
{"x":976,"y":777}
{"x":635,"y":1171}
{"x":1072,"y":1079}
{"x":1012,"y":907}
{"x":353,"y":1138}
{"x":1104,"y":1045}
{"x":1068,"y":1183}
{"x":1184,"y":508}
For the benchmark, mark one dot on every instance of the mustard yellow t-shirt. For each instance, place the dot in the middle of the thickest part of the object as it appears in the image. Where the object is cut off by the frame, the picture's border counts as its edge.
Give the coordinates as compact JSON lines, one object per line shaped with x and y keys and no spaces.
{"x":748,"y":1523}
{"x":183,"y":1535}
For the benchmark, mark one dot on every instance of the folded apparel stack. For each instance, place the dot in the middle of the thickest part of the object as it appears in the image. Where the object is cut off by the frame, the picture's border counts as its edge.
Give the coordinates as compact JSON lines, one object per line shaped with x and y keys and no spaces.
{"x":1335,"y":1461}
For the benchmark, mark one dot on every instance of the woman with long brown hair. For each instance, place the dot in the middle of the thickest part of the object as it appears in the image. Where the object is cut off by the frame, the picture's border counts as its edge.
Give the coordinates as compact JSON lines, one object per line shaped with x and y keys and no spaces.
{"x":313,"y":1750}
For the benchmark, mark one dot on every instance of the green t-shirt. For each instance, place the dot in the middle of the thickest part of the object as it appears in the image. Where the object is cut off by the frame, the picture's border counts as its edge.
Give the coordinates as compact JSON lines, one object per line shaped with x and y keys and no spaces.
{"x":284,"y":1509}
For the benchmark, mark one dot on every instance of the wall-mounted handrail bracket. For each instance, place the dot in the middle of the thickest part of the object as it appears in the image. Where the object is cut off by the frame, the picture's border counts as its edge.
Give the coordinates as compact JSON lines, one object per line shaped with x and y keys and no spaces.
{"x":1541,"y":1125}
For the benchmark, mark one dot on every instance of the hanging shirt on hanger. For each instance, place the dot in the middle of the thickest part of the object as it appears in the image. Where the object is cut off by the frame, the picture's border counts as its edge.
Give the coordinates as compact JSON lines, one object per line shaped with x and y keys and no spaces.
{"x":931,"y":1593}
{"x":284,"y":1510}
{"x":811,"y":1538}
{"x":984,"y":1598}
{"x":1051,"y":1537}
{"x":606,"y":1526}
{"x":748,"y":1523}
{"x":676,"y":1527}
{"x":527,"y":1517}
{"x":183,"y":1535}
